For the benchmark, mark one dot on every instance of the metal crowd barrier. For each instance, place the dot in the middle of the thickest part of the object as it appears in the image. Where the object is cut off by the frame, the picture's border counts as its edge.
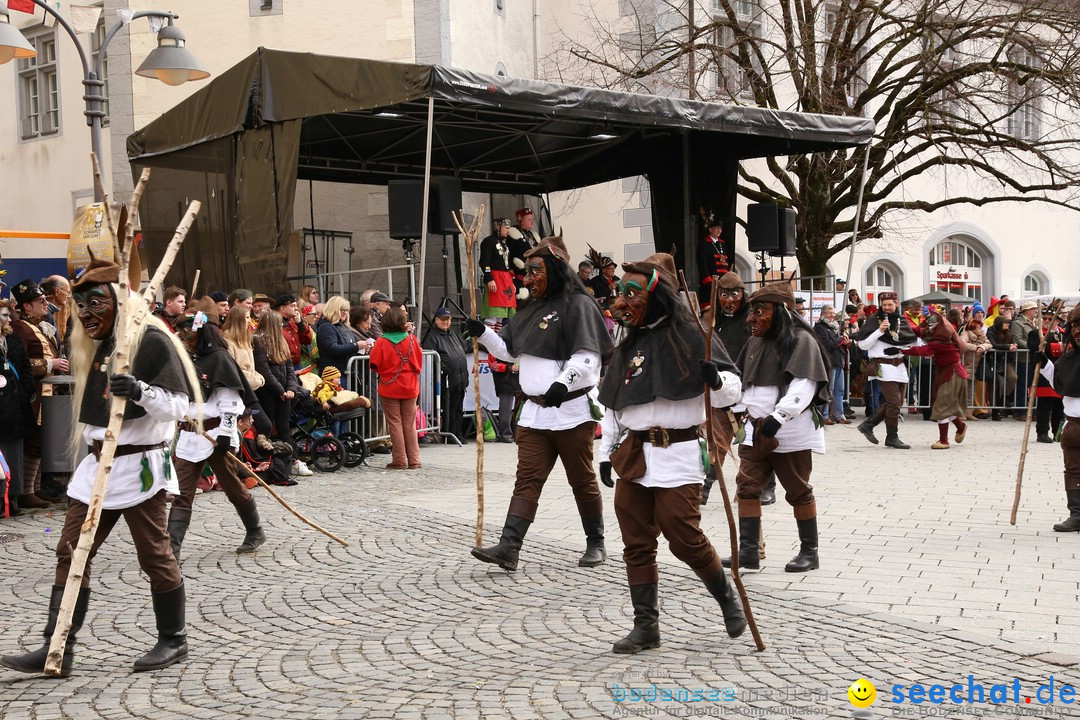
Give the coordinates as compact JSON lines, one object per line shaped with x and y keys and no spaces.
{"x":363,"y":379}
{"x":1007,"y":374}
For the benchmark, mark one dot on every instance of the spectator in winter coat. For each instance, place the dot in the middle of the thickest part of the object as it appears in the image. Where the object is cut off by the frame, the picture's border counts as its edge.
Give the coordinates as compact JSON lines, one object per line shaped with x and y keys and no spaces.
{"x":455,"y":370}
{"x":398,"y":360}
{"x":16,"y":390}
{"x":274,"y":364}
{"x":296,"y":333}
{"x":336,"y":342}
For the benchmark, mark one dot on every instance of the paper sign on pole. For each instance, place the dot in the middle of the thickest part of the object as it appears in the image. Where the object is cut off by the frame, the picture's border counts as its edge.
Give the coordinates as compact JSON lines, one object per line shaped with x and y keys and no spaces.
{"x":89,"y":232}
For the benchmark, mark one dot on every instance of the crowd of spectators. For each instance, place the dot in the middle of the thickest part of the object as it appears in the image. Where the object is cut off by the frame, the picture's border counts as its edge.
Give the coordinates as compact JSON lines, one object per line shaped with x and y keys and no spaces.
{"x":285,"y":347}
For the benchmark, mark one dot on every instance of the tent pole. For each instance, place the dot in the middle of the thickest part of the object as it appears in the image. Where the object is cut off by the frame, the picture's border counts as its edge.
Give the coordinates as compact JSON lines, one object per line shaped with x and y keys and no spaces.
{"x":419,"y":297}
{"x":858,"y":214}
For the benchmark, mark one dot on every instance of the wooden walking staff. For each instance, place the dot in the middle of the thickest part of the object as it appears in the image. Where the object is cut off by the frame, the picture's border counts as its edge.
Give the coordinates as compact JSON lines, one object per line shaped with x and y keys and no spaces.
{"x":470,"y":253}
{"x":273,"y":494}
{"x":714,"y":458}
{"x":1055,"y":307}
{"x":127,"y":323}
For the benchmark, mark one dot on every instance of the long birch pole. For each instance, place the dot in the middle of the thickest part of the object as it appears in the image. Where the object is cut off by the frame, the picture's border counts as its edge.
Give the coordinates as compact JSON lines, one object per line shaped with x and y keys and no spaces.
{"x":470,"y":235}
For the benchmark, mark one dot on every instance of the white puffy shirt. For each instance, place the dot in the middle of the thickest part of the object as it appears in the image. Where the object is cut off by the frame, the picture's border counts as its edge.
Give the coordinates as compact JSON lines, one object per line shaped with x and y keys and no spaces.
{"x":876,"y":349}
{"x":124,"y":488}
{"x":680,"y":463}
{"x":797,"y":431}
{"x":223,"y":403}
{"x":536,"y":374}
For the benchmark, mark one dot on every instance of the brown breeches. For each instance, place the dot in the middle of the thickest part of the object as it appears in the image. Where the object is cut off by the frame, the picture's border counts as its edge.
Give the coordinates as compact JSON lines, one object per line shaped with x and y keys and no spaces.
{"x":146,"y":523}
{"x":646,"y":512}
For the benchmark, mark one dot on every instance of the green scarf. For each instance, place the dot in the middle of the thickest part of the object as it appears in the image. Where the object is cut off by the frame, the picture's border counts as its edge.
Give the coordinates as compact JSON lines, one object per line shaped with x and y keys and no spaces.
{"x":395,"y":337}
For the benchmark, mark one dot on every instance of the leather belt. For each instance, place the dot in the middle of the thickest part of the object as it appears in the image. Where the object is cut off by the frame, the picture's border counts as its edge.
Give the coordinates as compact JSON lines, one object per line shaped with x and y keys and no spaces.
{"x":1072,"y":419}
{"x":663,"y":437}
{"x":890,"y":361}
{"x":539,"y":399}
{"x":122,"y":450}
{"x":208,"y":425}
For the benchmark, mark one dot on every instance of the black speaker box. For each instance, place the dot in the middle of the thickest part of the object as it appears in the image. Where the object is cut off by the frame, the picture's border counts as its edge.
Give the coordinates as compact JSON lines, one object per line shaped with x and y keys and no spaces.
{"x":445,"y":199}
{"x":762,"y":231}
{"x":405,"y":201}
{"x":786,"y":231}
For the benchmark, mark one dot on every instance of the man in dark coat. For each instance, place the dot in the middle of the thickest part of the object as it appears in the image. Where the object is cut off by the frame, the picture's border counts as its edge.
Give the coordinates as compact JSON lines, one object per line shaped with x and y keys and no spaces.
{"x":455,"y":370}
{"x":558,"y":341}
{"x":16,"y":417}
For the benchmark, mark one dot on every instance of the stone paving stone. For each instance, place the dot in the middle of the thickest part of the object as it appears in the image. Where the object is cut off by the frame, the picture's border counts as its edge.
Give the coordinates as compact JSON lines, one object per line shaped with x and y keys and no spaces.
{"x":922,"y":578}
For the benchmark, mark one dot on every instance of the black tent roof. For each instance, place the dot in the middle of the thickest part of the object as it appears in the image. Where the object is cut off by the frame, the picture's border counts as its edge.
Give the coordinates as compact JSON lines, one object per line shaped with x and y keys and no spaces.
{"x":365,"y":121}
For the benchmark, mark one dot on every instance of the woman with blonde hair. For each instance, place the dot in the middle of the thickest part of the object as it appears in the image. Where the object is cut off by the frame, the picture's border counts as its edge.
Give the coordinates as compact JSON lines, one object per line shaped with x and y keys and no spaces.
{"x":336,"y":341}
{"x":238,"y":337}
{"x":309,"y":295}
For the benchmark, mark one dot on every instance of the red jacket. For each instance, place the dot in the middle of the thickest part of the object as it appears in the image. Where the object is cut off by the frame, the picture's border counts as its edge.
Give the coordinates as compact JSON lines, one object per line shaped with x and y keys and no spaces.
{"x":398,"y":367}
{"x":296,"y":334}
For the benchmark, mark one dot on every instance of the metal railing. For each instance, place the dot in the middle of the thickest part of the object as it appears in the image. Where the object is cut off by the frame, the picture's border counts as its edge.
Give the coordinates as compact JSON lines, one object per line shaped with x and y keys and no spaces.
{"x":363,"y":379}
{"x":1000,"y":380}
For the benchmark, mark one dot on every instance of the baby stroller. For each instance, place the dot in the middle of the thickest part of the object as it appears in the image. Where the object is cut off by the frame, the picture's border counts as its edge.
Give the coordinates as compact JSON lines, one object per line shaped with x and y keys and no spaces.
{"x":315,"y":443}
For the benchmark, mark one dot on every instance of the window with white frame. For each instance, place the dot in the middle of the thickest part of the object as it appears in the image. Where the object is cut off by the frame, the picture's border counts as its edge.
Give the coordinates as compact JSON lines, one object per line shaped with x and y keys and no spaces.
{"x":878,"y":278}
{"x":732,"y":79}
{"x":1025,"y":119}
{"x":1035,"y":284}
{"x":39,"y":90}
{"x":96,"y":43}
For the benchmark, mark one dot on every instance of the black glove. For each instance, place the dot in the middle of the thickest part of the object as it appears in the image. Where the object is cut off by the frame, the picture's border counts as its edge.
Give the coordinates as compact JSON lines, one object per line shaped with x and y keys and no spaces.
{"x":224,"y":443}
{"x":125,"y":385}
{"x":710,"y":374}
{"x":893,"y":351}
{"x":770,"y":427}
{"x":555,"y":394}
{"x":605,"y":474}
{"x":1041,"y":358}
{"x":474,"y":328}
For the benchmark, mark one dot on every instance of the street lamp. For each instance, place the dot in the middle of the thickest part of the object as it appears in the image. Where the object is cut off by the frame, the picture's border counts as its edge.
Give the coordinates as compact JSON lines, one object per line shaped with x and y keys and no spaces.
{"x":171,"y":62}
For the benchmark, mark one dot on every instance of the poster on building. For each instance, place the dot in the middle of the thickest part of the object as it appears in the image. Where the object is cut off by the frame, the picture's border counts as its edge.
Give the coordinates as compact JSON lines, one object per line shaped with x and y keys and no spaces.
{"x":89,"y":233}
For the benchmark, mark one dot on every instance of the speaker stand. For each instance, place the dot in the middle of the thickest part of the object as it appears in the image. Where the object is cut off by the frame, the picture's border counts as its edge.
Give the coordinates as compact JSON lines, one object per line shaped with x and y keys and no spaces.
{"x":763,"y":269}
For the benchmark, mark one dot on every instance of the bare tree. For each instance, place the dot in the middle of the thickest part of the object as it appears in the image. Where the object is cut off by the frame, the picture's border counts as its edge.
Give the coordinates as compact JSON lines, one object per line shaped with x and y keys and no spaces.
{"x":978,"y":97}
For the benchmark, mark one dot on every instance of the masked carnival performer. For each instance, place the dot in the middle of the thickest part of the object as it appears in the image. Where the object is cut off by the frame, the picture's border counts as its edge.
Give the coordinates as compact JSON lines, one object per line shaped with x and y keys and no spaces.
{"x":655,"y":398}
{"x":500,"y":296}
{"x":227,"y":396}
{"x":945,"y":346}
{"x":1049,"y":411}
{"x":784,"y":378}
{"x":1064,"y":375}
{"x":557,"y":340}
{"x":884,"y":330}
{"x":161,"y":384}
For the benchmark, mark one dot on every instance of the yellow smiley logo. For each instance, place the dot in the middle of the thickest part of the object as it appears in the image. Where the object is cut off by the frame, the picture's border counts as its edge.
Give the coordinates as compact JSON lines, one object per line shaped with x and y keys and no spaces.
{"x":862,"y":693}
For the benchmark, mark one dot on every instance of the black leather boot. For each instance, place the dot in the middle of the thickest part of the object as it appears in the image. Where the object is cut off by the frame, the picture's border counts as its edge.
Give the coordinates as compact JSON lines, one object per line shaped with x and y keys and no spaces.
{"x":807,"y":559}
{"x":768,"y":495}
{"x":595,"y":552}
{"x":179,"y":520}
{"x":724,"y":591}
{"x":249,"y":515}
{"x":892,"y":439}
{"x":505,"y":554}
{"x":866,"y":427}
{"x":34,"y":662}
{"x":171,"y":646}
{"x":749,"y":530}
{"x":646,"y":632}
{"x":1072,"y":523}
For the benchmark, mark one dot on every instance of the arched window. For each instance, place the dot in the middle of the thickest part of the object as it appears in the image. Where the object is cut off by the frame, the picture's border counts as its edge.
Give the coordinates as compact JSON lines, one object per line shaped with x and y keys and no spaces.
{"x":880,"y":277}
{"x":956,"y":267}
{"x":1036,"y":283}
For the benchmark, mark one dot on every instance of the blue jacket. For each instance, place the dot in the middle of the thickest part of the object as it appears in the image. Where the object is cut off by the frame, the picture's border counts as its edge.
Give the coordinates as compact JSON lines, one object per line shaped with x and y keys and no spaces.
{"x":336,"y":344}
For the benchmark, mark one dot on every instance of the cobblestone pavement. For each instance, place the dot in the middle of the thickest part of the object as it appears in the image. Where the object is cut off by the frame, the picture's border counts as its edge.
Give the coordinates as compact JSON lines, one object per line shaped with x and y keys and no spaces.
{"x":922,"y":580}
